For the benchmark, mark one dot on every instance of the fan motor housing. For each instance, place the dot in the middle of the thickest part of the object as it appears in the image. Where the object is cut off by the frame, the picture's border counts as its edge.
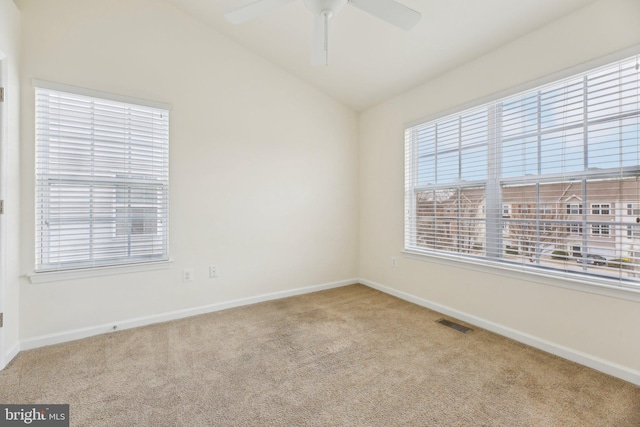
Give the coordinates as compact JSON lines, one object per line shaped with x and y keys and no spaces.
{"x":318,"y":7}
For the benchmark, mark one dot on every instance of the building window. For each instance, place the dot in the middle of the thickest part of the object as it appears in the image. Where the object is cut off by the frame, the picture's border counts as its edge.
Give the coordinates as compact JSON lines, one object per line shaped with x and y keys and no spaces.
{"x":102,"y":180}
{"x":633,"y":231}
{"x":633,"y":210}
{"x":509,"y":166}
{"x":546,"y":209}
{"x":574,"y":229}
{"x":600,"y":230}
{"x":574,"y":209}
{"x":600,"y":209}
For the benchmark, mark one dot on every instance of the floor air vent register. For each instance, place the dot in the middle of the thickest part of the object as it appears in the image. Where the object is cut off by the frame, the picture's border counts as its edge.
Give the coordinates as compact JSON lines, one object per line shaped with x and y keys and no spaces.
{"x":454,"y":325}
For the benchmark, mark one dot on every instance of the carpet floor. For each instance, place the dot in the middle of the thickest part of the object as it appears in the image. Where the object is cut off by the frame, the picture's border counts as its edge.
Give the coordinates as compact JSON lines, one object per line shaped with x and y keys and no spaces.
{"x":350,"y":356}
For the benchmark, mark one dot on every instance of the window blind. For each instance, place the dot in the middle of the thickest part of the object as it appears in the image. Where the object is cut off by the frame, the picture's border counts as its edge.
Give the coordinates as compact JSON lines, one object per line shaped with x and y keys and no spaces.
{"x":102,"y":181}
{"x":545,"y":179}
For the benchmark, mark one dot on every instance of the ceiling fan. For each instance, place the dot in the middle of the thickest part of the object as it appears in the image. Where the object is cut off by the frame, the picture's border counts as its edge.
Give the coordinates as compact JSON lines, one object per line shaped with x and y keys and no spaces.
{"x":323,"y":10}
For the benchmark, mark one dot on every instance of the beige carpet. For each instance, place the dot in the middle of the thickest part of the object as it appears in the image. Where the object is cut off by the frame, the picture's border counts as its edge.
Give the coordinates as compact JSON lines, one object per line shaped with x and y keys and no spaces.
{"x":344,"y":357}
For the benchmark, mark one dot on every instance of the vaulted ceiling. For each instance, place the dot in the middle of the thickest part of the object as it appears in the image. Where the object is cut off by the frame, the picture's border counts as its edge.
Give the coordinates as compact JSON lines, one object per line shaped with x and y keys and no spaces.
{"x":371,"y":60}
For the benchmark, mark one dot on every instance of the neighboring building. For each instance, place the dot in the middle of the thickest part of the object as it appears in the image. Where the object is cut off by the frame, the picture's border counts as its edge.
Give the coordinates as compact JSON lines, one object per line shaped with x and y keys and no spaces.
{"x":538,"y":220}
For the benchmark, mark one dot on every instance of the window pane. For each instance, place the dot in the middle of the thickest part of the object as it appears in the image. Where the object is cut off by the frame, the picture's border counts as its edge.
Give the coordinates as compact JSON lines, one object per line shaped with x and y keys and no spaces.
{"x":451,"y":220}
{"x":520,"y":116}
{"x":562,"y":152}
{"x":448,"y":169}
{"x":474,"y":164}
{"x":562,"y":105}
{"x":520,"y":156}
{"x":427,"y":170}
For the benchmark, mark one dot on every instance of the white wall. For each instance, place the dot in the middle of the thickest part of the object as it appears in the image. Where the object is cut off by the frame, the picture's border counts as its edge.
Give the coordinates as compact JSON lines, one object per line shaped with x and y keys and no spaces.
{"x":602,"y":328}
{"x":262,"y":166}
{"x":10,"y":188}
{"x":267,"y":181}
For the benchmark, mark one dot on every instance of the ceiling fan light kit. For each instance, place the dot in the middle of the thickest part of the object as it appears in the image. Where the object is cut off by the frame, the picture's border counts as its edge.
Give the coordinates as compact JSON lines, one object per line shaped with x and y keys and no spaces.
{"x":324,"y":10}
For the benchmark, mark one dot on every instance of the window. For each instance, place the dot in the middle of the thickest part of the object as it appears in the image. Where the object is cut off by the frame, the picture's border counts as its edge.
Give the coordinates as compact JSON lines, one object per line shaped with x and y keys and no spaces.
{"x":574,"y":209}
{"x":600,"y":230}
{"x":632,"y":209}
{"x":512,"y":166}
{"x":633,"y":231}
{"x":101,"y":180}
{"x":545,"y":209}
{"x":575,"y":229}
{"x":600,"y":209}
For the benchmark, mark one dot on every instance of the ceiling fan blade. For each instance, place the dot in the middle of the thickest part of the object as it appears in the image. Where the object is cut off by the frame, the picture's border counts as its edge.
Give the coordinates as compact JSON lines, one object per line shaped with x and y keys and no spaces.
{"x":254,"y":10}
{"x":320,"y":46}
{"x":390,"y":11}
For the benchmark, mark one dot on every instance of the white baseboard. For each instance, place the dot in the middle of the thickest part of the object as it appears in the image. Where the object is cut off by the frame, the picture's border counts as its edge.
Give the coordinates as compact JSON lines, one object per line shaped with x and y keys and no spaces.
{"x":11,"y":353}
{"x":610,"y":368}
{"x":76,"y":334}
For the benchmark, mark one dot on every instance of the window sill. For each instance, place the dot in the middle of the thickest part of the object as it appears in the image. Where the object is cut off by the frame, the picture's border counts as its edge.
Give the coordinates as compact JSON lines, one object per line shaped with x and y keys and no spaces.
{"x":57,"y":276}
{"x":560,"y":279}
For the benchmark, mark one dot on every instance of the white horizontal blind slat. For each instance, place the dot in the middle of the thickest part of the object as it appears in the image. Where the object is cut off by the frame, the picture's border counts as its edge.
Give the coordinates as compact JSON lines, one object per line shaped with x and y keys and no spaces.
{"x":101,"y":181}
{"x":548,"y":178}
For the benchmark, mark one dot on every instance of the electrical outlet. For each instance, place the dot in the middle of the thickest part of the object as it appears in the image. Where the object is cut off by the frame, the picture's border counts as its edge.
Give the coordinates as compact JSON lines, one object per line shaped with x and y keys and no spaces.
{"x":394,"y":261}
{"x":213,"y":271}
{"x":187,"y":275}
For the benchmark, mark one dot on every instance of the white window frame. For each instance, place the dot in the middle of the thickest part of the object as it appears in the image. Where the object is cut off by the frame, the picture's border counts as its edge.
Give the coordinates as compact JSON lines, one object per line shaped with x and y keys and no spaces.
{"x":575,"y":228}
{"x":600,"y":208}
{"x":146,"y":214}
{"x":601,"y":230}
{"x":545,"y":209}
{"x":574,"y":209}
{"x":633,"y":209}
{"x":567,"y":279}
